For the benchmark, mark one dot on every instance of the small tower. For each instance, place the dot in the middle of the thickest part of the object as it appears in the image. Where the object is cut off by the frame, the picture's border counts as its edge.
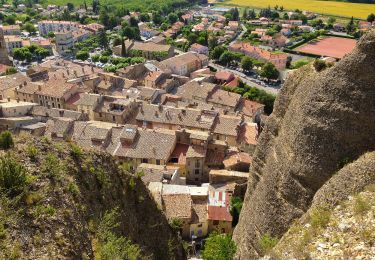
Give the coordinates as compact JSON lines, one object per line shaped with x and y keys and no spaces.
{"x":4,"y":59}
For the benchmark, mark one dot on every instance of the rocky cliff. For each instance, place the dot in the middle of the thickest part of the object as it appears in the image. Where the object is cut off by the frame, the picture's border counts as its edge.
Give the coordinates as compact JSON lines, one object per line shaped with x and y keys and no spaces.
{"x":64,"y":202}
{"x":321,"y":121}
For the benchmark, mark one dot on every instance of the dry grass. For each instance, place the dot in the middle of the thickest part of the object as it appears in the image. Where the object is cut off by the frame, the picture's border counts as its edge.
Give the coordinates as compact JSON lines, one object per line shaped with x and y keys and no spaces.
{"x":322,"y":7}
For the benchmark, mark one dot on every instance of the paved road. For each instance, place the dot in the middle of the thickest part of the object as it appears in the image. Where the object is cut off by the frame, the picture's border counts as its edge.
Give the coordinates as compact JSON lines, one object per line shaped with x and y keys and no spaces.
{"x":246,"y":79}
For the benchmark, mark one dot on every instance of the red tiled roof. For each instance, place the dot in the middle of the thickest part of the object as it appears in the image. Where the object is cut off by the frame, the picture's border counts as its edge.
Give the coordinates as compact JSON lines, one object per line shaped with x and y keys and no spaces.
{"x":219,"y":213}
{"x":224,"y":75}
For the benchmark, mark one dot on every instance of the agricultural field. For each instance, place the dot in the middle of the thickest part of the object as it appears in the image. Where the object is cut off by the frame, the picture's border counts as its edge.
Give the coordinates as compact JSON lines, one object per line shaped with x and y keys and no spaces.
{"x":341,"y":9}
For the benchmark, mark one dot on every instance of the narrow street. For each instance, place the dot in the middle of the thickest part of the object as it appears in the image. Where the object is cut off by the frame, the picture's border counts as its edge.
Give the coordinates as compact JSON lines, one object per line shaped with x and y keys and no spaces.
{"x":248,"y":80}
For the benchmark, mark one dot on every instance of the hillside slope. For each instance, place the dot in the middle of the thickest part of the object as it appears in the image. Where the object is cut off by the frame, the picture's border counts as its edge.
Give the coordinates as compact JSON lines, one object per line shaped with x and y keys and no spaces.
{"x":320,"y":122}
{"x":340,"y":222}
{"x":60,"y":211}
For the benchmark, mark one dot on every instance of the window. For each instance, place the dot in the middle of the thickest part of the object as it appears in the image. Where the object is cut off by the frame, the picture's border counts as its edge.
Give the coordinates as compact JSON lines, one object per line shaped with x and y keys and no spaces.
{"x":113,"y":118}
{"x":144,"y":160}
{"x":100,"y":114}
{"x":196,"y":179}
{"x":197,"y":164}
{"x":197,"y":171}
{"x":174,"y":160}
{"x":157,"y":162}
{"x":200,"y":225}
{"x":216,"y":222}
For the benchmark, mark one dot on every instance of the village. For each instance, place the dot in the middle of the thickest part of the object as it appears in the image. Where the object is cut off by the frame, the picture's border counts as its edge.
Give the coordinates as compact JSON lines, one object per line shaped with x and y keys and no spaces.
{"x":182,"y":103}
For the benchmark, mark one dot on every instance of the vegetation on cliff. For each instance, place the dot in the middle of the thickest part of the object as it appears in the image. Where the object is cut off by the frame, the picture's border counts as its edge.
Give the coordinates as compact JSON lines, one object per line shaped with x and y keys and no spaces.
{"x":58,"y":201}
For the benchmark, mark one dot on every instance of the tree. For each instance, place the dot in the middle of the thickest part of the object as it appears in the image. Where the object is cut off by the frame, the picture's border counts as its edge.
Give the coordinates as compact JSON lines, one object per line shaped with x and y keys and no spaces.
{"x":217,"y":51}
{"x":371,"y":18}
{"x":104,"y":18}
{"x":6,"y":140}
{"x":252,"y":15}
{"x":10,"y":19}
{"x":157,"y":18}
{"x":281,"y":8}
{"x":95,"y":6}
{"x":85,"y":4}
{"x":246,"y":63}
{"x":133,"y":22}
{"x":123,"y":48}
{"x":144,"y":17}
{"x":226,"y":58}
{"x":172,"y":17}
{"x":350,"y":27}
{"x":212,"y":42}
{"x":82,"y":55}
{"x":22,"y":54}
{"x":245,"y":14}
{"x":29,"y":27}
{"x":51,"y":34}
{"x":276,"y":7}
{"x":269,"y":71}
{"x":219,"y":247}
{"x":102,"y":38}
{"x":70,"y":7}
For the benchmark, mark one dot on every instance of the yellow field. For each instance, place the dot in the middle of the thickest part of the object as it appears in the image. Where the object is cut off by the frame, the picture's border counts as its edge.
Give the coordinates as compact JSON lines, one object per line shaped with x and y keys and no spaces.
{"x":322,"y":7}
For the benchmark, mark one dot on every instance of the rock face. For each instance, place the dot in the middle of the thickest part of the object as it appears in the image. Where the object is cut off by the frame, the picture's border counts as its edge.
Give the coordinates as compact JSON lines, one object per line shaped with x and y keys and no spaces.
{"x":320,"y":122}
{"x":59,"y":214}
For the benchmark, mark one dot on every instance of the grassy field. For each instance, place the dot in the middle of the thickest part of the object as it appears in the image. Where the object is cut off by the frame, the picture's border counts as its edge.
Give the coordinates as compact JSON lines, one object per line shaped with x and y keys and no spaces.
{"x":323,"y":7}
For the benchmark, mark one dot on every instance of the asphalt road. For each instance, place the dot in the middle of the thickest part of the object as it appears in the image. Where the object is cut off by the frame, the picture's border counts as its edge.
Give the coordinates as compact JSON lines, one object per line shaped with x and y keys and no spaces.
{"x":246,"y":79}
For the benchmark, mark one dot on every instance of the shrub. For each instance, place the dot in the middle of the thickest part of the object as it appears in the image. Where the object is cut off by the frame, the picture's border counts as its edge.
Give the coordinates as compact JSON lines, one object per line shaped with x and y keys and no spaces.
{"x":52,"y":165}
{"x":319,"y":65}
{"x":76,"y":151}
{"x":13,"y":176}
{"x":42,"y":210}
{"x":132,"y":183}
{"x":32,"y":151}
{"x":267,"y":242}
{"x":319,"y":217}
{"x":82,"y":55}
{"x":176,"y":224}
{"x":6,"y":140}
{"x":219,"y":247}
{"x":361,"y":205}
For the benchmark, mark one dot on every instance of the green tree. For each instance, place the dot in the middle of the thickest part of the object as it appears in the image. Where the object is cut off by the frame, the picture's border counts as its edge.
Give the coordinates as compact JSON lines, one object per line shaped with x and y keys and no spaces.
{"x":123,"y":48}
{"x":217,"y":52}
{"x":371,"y":18}
{"x":70,"y":7}
{"x":269,"y":71}
{"x":172,"y":17}
{"x":226,"y":58}
{"x":51,"y":35}
{"x":29,"y":27}
{"x":22,"y":54}
{"x":219,"y":247}
{"x":10,"y":19}
{"x":102,"y":38}
{"x":82,"y":55}
{"x":246,"y":63}
{"x":350,"y":26}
